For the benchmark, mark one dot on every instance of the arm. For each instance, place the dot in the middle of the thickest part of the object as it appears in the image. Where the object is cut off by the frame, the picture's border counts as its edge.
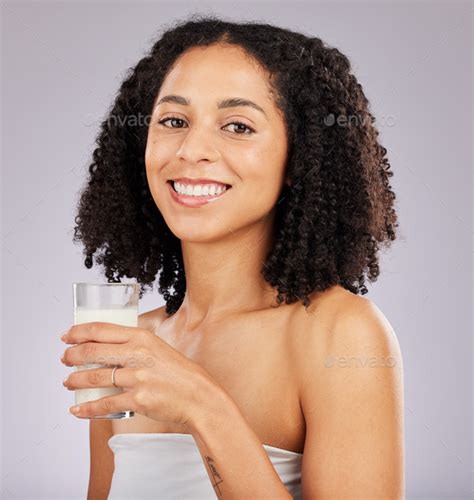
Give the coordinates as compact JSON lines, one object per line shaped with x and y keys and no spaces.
{"x":101,"y":459}
{"x":352,"y":399}
{"x":236,"y":462}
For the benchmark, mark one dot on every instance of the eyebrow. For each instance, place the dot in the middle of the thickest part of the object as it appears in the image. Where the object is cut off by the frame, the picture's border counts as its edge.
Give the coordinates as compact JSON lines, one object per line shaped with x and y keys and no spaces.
{"x":232,"y":102}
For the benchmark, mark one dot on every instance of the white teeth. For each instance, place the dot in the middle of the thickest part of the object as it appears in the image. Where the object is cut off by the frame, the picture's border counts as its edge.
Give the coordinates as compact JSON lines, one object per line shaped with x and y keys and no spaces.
{"x":199,"y":189}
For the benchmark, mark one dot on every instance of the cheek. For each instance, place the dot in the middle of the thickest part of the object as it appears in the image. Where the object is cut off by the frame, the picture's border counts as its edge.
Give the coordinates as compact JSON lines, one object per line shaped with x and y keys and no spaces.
{"x":263,"y":176}
{"x":155,"y":169}
{"x":157,"y":156}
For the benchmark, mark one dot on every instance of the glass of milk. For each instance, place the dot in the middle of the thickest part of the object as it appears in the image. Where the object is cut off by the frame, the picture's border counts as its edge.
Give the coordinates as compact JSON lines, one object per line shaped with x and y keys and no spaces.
{"x":112,"y":303}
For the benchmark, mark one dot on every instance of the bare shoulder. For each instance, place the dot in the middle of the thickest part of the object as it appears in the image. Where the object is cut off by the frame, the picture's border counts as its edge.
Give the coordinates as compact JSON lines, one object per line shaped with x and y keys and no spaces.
{"x":339,"y":323}
{"x":363,"y":330}
{"x":151,"y":320}
{"x":344,"y":335}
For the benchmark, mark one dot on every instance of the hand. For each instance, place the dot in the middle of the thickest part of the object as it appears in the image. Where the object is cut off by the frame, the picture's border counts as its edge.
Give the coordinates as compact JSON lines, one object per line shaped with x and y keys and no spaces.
{"x":159,"y":382}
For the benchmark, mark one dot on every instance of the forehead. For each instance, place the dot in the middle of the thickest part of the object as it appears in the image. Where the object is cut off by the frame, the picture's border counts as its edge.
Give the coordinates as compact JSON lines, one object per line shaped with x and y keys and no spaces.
{"x":217,"y":71}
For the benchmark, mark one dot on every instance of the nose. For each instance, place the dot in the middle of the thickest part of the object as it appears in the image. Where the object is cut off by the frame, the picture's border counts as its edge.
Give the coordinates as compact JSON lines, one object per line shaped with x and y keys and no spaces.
{"x":196,"y":146}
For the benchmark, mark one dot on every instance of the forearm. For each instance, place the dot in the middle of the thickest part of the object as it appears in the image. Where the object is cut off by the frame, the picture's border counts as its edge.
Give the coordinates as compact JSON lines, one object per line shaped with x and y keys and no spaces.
{"x":236,"y":462}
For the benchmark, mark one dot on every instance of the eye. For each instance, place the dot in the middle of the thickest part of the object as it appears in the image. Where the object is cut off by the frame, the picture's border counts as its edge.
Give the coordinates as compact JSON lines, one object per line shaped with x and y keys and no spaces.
{"x":250,"y":129}
{"x":162,"y":122}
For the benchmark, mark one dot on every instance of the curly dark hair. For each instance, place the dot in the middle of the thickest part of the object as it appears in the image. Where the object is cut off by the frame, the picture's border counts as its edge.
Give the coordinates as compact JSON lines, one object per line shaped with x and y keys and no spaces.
{"x":329,"y":223}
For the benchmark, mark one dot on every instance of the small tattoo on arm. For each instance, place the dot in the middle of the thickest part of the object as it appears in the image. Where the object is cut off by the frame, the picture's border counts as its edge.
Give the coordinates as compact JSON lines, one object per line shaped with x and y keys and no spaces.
{"x":215,"y":475}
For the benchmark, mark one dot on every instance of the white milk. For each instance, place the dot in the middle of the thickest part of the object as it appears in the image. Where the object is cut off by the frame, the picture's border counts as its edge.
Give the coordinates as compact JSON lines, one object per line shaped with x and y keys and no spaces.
{"x":122,"y":316}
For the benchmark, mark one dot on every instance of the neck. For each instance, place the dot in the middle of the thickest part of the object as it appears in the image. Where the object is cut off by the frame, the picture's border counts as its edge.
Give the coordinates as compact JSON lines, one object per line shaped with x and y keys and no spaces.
{"x":224,"y":276}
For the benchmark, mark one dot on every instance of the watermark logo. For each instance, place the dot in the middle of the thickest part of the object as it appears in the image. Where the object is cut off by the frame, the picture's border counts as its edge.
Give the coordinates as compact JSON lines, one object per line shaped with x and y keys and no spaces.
{"x":342,"y":120}
{"x":359,"y":361}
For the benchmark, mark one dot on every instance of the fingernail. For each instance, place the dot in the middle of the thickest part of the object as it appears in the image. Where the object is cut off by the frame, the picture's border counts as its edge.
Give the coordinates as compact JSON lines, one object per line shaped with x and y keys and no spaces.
{"x":74,"y":410}
{"x":64,"y":381}
{"x":64,"y":335}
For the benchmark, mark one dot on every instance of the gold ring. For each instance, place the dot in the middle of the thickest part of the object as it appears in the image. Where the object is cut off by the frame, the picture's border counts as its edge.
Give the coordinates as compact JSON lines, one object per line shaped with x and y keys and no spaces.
{"x":113,"y":376}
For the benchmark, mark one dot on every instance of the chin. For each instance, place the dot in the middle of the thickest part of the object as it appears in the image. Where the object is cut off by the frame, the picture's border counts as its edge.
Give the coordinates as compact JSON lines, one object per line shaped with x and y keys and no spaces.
{"x":197,"y":232}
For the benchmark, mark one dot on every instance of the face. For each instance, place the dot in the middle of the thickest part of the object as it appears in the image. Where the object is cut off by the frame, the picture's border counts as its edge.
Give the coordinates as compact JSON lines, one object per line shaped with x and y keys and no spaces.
{"x":195,"y":136}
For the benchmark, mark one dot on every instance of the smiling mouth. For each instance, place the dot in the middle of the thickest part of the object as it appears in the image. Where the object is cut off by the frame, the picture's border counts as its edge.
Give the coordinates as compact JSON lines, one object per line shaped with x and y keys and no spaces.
{"x":206,"y":194}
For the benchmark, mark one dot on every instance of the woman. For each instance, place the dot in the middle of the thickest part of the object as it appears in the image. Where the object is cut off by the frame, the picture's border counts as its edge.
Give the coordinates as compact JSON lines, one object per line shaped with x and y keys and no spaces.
{"x":240,"y":161}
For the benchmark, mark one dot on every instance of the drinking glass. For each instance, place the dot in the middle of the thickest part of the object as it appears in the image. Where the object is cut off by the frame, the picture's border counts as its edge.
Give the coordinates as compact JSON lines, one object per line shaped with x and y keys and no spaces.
{"x":111,"y":303}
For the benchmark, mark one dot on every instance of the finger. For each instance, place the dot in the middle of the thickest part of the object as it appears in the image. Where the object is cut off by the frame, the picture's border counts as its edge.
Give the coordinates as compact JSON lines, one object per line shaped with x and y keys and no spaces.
{"x":100,"y":377}
{"x":104,"y":406}
{"x":97,"y":353}
{"x":99,"y":331}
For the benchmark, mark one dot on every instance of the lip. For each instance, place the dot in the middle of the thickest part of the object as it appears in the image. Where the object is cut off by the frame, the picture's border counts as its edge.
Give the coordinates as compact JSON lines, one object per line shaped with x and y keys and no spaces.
{"x":194,"y":182}
{"x":193,"y":201}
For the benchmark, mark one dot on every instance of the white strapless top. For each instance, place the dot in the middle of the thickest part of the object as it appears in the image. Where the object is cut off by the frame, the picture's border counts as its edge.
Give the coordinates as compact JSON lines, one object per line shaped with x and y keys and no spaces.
{"x":163,"y":466}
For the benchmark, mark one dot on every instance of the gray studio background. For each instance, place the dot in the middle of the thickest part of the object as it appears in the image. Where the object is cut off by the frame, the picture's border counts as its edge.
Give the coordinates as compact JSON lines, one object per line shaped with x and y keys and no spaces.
{"x":61,"y":66}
